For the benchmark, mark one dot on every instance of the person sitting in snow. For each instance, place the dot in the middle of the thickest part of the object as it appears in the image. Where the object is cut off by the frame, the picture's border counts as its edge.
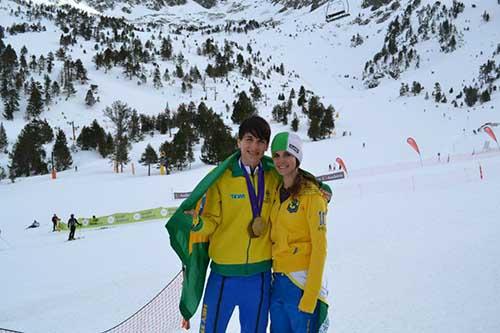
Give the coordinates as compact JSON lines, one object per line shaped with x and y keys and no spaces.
{"x":35,"y":224}
{"x":72,"y":222}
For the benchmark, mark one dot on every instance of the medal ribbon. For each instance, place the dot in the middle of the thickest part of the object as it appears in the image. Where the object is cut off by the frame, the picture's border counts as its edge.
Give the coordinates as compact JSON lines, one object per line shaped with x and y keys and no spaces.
{"x":256,"y":200}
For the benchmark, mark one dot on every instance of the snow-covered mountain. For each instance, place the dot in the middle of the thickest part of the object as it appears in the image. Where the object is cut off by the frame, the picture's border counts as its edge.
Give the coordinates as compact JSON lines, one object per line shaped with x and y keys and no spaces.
{"x":403,"y":48}
{"x":412,"y":238}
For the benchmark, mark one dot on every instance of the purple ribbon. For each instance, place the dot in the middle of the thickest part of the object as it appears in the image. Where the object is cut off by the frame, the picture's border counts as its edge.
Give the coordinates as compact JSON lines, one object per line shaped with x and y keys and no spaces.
{"x":256,"y":200}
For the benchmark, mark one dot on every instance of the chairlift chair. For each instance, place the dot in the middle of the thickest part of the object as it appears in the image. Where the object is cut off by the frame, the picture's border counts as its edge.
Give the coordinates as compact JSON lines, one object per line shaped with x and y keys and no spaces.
{"x":337,"y":9}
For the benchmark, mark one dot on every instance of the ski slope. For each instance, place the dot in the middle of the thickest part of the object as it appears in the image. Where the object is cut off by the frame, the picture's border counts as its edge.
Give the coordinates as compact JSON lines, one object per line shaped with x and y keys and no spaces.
{"x":409,"y":251}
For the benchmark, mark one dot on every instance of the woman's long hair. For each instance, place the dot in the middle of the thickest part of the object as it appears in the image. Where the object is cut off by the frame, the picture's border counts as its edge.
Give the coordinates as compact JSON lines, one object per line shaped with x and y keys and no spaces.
{"x":301,"y":178}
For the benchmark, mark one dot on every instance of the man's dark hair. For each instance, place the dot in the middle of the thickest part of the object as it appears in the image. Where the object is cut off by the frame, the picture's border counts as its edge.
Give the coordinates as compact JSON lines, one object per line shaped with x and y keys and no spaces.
{"x":256,"y":126}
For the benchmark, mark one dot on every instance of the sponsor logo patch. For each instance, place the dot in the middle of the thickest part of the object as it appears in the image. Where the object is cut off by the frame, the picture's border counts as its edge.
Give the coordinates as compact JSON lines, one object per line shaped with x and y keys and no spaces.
{"x":293,"y":206}
{"x":238,"y":196}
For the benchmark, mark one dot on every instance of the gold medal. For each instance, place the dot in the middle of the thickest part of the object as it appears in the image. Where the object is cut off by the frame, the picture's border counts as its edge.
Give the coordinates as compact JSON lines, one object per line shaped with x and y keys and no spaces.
{"x":258,"y":226}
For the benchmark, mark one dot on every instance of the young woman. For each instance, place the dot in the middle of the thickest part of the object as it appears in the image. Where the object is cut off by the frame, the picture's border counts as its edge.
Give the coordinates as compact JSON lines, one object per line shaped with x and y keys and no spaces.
{"x":298,"y":235}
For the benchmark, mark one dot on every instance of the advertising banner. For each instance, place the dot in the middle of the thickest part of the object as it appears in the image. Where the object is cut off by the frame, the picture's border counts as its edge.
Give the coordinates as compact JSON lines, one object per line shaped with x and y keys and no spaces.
{"x":122,"y":218}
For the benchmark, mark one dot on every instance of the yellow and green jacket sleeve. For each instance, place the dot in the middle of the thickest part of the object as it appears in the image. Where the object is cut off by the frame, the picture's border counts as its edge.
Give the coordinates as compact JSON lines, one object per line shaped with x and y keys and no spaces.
{"x":209,"y":220}
{"x":316,"y":221}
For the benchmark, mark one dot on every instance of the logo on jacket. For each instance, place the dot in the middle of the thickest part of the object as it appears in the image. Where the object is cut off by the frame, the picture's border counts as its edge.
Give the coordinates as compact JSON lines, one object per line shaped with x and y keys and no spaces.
{"x":293,"y":206}
{"x":322,"y":220}
{"x":238,"y":196}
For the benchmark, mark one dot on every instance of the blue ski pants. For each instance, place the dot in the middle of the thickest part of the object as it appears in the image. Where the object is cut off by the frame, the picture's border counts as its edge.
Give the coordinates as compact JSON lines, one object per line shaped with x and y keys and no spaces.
{"x":223,"y":293}
{"x":285,"y":313}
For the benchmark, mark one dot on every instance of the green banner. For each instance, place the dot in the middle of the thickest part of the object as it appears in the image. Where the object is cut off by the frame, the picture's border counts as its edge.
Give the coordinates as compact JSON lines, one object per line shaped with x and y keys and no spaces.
{"x":124,"y":218}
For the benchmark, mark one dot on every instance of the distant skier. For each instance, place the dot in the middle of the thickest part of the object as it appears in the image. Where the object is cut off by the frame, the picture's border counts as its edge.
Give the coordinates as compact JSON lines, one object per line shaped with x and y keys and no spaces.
{"x":72,"y":222}
{"x":55,"y":223}
{"x":35,"y":224}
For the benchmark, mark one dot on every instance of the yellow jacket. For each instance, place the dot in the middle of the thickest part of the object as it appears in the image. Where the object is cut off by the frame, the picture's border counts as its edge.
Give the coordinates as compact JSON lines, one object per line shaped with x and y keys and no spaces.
{"x":226,"y":217}
{"x":298,"y":234}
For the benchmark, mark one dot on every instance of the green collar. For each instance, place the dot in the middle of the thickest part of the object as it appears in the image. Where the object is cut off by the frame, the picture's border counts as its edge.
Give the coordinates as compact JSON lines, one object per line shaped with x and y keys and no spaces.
{"x":267,"y":164}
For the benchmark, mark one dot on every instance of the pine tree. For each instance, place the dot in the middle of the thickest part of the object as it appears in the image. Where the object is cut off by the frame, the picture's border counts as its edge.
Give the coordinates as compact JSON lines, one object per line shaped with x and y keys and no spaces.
{"x":204,"y":120}
{"x":327,"y":122}
{"x":314,"y":131}
{"x":8,"y":59}
{"x":89,"y":98}
{"x":86,"y":139}
{"x":471,"y":96}
{"x":392,"y":46}
{"x":119,"y":113}
{"x":166,"y":75}
{"x":69,"y":89}
{"x":3,"y":139}
{"x":61,"y":153}
{"x":189,"y":144}
{"x":147,"y":124}
{"x":240,"y":60}
{"x":218,"y":144}
{"x":157,"y":79}
{"x":149,"y":157}
{"x":437,"y":94}
{"x":134,"y":129}
{"x":11,"y":104}
{"x":99,"y":136}
{"x":295,"y":123}
{"x":50,"y":62}
{"x":35,"y":102}
{"x":242,"y":109}
{"x":316,"y":114}
{"x":278,"y":113}
{"x":179,"y":72}
{"x":403,"y":90}
{"x":255,"y":92}
{"x":56,"y":89}
{"x":107,"y":146}
{"x":120,"y":154}
{"x":485,"y":96}
{"x":302,"y":96}
{"x":80,"y":72}
{"x":46,"y":90}
{"x":282,"y":69}
{"x":166,"y":50}
{"x":27,"y":156}
{"x":416,"y":88}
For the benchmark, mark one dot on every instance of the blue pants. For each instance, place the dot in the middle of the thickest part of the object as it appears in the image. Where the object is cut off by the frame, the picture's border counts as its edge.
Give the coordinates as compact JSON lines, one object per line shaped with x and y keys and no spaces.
{"x":285,"y":313}
{"x":223,"y":293}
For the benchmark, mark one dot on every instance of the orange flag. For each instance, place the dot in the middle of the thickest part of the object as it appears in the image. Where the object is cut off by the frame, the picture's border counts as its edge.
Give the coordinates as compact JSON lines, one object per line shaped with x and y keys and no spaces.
{"x":341,"y":163}
{"x":413,"y":144}
{"x":490,"y":133}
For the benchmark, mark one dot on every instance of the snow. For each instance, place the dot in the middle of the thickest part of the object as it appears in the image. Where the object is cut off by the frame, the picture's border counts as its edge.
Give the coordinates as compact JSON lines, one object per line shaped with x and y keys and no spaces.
{"x":412,"y":245}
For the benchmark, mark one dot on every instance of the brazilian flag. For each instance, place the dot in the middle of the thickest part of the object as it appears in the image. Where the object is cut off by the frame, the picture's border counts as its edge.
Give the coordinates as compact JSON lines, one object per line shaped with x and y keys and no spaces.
{"x":191,"y":248}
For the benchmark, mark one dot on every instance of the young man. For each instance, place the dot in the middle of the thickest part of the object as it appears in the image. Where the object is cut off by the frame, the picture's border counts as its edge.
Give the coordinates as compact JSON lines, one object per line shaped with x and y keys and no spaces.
{"x":235,"y":217}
